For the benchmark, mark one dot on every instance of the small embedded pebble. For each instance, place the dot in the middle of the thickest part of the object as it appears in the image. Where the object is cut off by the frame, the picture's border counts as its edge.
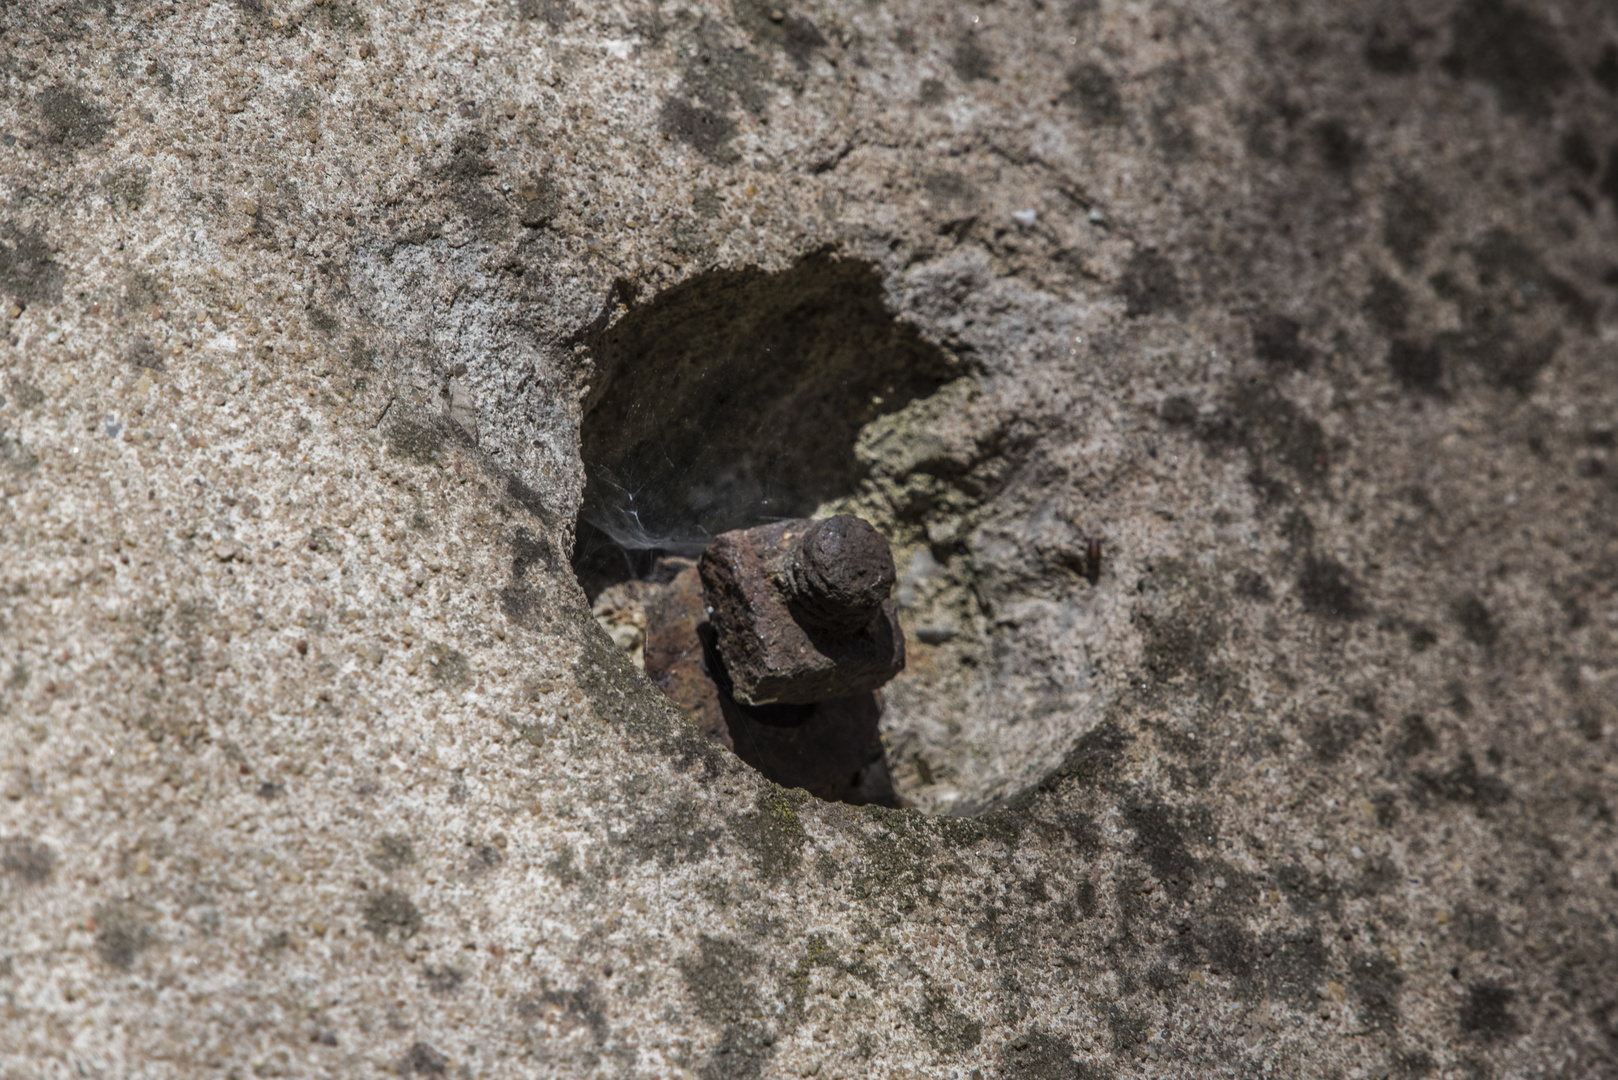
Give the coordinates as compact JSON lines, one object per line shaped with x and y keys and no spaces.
{"x":1025,"y":218}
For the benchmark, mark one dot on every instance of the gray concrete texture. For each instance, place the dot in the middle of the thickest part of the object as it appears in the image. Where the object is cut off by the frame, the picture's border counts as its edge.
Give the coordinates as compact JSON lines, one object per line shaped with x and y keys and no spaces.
{"x":318,"y":316}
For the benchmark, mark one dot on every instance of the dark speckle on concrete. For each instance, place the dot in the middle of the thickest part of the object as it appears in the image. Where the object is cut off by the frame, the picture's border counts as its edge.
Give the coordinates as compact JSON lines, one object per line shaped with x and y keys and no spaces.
{"x":468,"y":167}
{"x":1096,"y":753}
{"x":1128,"y":1029}
{"x":945,"y":1025}
{"x":1331,"y":736}
{"x":1477,"y":928}
{"x":1273,"y":431}
{"x":1421,"y":638}
{"x":392,"y":852}
{"x":1512,"y":279}
{"x":673,"y":833}
{"x":970,"y":60}
{"x":1409,"y":220}
{"x":482,"y":858}
{"x":1412,"y":1065}
{"x":578,"y":1007}
{"x":1387,"y":305}
{"x":554,"y":13}
{"x":1150,"y":285}
{"x":1605,"y":72}
{"x":950,"y":188}
{"x":345,"y":16}
{"x":1506,"y":260}
{"x":1250,"y":585}
{"x":442,"y":980}
{"x":415,"y":441}
{"x":1275,"y":341}
{"x":772,"y":23}
{"x":1160,"y":840}
{"x":539,"y":200}
{"x":714,"y":74}
{"x":1093,"y":91}
{"x":1388,"y":53}
{"x":702,"y":129}
{"x":423,"y":1059}
{"x":448,"y":667}
{"x":26,"y":395}
{"x":1415,"y":736}
{"x":1299,"y":530}
{"x":1228,"y":948}
{"x":772,"y":833}
{"x":1182,"y":641}
{"x":389,"y":913}
{"x":1475,"y":622}
{"x":27,"y":269}
{"x":743,"y":1050}
{"x":28,"y":860}
{"x":1609,"y":188}
{"x":1486,"y":1013}
{"x":1416,"y":366}
{"x":1307,"y":893}
{"x":1579,"y":154}
{"x":1375,"y":981}
{"x":1292,"y":965}
{"x":1511,"y":48}
{"x":719,"y":979}
{"x":1038,"y":1055}
{"x":467,"y":152}
{"x":1178,"y":411}
{"x":1340,"y":149}
{"x":127,"y":187}
{"x":122,"y":932}
{"x":70,"y":121}
{"x":1326,"y":588}
{"x":302,"y":101}
{"x":1462,"y":782}
{"x":144,"y":355}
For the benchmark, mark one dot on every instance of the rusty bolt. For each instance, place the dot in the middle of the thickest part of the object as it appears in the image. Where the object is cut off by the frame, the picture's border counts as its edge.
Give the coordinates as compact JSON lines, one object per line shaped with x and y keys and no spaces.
{"x":799,"y":623}
{"x":842,"y":573}
{"x":733,"y":642}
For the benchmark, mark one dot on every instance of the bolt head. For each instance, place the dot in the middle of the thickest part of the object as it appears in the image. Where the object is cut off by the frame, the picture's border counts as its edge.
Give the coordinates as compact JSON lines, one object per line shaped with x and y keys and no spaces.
{"x":844,"y":572}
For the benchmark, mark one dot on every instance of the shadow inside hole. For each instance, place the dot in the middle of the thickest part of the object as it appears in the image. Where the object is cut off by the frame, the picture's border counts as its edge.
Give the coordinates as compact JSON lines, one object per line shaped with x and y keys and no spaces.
{"x":733,"y":399}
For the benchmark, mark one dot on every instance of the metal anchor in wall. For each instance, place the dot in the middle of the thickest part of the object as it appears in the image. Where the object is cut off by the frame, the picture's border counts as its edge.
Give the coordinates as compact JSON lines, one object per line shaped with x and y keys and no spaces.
{"x":777,"y":642}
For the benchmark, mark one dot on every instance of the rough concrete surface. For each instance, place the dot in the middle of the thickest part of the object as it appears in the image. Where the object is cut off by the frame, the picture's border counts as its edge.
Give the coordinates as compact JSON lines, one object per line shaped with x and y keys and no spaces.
{"x":317,"y":316}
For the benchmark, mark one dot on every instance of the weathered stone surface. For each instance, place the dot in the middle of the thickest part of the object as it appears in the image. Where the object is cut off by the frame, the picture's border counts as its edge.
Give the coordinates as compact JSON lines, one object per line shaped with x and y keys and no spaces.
{"x":314,"y":762}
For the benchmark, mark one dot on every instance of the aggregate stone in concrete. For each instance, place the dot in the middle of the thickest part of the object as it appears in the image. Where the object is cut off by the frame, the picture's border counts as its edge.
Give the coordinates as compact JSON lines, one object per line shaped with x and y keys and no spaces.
{"x":323,"y":321}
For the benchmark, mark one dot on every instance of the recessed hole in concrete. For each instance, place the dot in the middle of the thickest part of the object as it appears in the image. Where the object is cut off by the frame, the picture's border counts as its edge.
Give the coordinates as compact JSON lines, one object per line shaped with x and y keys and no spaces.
{"x":733,"y":399}
{"x":730,"y":401}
